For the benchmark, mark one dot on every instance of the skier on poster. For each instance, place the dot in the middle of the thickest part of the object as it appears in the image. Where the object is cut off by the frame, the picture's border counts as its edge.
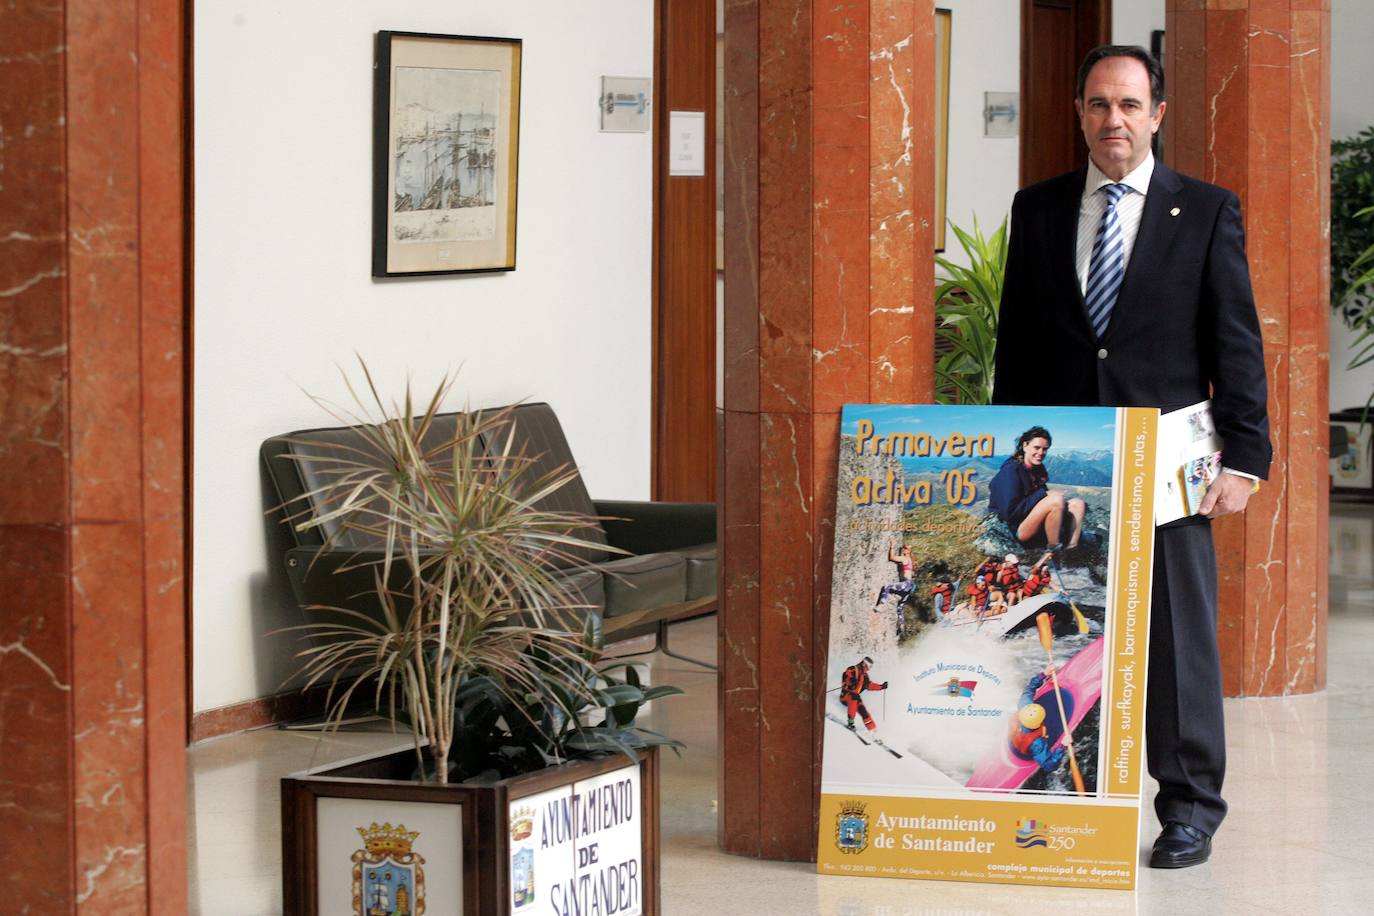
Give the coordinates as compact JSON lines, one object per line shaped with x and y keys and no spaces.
{"x":853,"y":683}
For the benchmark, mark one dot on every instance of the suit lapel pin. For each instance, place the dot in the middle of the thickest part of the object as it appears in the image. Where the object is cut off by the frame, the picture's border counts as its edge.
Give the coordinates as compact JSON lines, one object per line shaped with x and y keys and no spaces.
{"x":1174,"y":212}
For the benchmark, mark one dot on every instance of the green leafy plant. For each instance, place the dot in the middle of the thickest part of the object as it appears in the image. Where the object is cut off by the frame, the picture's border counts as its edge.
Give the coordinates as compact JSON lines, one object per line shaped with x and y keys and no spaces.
{"x":506,"y":735}
{"x":1352,"y":231}
{"x":1361,"y":270}
{"x":966,"y":307}
{"x":475,"y":625}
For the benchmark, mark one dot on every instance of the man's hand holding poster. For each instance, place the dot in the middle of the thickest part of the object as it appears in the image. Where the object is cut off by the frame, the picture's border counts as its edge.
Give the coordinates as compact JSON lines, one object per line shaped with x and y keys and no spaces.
{"x":986,"y":671}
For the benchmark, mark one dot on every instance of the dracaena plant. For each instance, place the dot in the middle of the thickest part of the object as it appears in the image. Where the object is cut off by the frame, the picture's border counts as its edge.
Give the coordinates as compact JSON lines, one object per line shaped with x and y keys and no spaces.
{"x":467,"y":571}
{"x":966,"y":307}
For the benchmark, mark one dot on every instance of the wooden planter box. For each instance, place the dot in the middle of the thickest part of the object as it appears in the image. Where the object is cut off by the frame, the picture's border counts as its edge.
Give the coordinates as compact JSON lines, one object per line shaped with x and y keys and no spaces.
{"x":357,"y":837}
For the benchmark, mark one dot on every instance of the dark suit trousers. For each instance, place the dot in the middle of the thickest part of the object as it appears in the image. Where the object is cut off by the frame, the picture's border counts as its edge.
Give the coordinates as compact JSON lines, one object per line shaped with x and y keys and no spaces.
{"x":1185,"y":741}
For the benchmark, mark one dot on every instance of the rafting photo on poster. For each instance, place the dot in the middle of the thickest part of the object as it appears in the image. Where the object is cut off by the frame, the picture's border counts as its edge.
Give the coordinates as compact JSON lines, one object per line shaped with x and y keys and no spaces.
{"x":990,"y":587}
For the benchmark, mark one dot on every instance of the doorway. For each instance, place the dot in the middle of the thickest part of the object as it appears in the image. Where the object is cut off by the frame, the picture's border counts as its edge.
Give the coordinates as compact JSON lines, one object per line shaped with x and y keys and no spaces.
{"x":1055,"y":36}
{"x":683,"y":445}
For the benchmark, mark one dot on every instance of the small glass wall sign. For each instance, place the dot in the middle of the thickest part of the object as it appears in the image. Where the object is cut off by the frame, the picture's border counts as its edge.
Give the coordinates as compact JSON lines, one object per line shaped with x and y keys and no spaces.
{"x":626,"y":104}
{"x":1001,"y":114}
{"x":687,"y":139}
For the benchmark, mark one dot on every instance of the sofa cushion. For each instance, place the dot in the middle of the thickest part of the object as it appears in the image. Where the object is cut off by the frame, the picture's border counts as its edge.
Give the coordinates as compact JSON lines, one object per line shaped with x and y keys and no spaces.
{"x":539,"y":435}
{"x":648,"y":581}
{"x":586,"y":588}
{"x":301,"y":462}
{"x":701,"y":570}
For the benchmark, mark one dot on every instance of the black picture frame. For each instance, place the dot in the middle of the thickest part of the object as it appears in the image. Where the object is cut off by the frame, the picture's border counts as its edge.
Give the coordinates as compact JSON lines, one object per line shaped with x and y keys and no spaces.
{"x":444,"y":192}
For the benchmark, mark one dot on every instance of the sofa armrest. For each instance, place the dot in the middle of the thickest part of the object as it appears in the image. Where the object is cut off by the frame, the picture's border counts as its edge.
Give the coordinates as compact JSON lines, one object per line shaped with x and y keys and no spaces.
{"x":649,"y":527}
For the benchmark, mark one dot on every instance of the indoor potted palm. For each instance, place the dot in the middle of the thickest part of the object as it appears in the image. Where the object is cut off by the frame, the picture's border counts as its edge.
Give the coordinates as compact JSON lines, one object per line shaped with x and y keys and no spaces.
{"x":966,"y":309}
{"x":472,"y":639}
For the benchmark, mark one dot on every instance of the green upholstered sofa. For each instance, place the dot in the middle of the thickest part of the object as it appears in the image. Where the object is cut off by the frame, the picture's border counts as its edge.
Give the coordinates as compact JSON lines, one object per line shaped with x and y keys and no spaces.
{"x":669,"y":575}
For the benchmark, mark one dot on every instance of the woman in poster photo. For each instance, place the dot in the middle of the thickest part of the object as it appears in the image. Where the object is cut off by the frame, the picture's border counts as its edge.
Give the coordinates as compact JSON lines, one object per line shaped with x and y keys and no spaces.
{"x":1020,"y":496}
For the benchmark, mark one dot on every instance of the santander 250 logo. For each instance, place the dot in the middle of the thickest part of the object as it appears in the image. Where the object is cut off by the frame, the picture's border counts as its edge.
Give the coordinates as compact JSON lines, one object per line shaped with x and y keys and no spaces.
{"x":1031,"y":832}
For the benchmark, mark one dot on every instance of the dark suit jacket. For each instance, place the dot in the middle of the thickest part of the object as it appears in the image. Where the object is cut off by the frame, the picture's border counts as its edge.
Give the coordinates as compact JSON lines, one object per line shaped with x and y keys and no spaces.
{"x":1184,"y":319}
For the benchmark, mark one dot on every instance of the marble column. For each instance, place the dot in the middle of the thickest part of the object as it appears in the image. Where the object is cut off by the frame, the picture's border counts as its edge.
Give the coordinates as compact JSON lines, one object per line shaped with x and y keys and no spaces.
{"x":1249,"y":108}
{"x":828,"y":300}
{"x":92,"y":503}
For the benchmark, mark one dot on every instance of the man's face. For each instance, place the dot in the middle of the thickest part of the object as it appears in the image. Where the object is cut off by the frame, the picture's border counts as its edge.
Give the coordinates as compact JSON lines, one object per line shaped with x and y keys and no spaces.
{"x":1035,"y":451}
{"x":1115,"y":115}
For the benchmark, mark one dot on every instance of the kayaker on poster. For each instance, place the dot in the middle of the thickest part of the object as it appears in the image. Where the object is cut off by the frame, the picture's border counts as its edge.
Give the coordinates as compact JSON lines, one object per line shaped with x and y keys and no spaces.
{"x":853,"y":683}
{"x":1020,"y":496}
{"x":1030,"y":737}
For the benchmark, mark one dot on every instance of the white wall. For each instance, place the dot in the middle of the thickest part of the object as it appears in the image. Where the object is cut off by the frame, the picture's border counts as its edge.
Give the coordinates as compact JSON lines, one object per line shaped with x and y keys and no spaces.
{"x":1352,"y":110}
{"x":984,"y":172}
{"x":283,"y":168}
{"x":1134,"y":20}
{"x":985,"y":56}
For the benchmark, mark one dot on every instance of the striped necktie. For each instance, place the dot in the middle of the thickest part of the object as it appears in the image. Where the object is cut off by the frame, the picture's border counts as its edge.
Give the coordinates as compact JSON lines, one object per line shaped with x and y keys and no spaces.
{"x":1107,"y":266}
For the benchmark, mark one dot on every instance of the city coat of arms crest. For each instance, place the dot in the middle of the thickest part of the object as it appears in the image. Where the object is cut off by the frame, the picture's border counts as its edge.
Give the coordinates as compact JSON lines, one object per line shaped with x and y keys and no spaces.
{"x":388,"y":874}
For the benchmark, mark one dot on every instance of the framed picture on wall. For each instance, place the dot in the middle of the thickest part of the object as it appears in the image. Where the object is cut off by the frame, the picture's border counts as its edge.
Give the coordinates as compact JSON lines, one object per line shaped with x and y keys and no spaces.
{"x":446,"y":143}
{"x":942,"y":35}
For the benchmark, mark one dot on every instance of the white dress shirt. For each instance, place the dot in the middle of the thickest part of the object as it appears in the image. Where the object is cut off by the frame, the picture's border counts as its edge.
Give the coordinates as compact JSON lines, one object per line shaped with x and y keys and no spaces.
{"x":1128,"y":211}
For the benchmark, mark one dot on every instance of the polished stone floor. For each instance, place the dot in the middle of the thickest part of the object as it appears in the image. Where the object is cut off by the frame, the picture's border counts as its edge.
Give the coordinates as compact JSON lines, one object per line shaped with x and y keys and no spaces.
{"x":1299,"y":839}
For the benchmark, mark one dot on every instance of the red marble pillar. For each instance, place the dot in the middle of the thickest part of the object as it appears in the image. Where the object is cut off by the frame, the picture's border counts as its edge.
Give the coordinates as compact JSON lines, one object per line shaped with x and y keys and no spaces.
{"x":92,"y":698}
{"x":1249,"y":109}
{"x":828,"y":300}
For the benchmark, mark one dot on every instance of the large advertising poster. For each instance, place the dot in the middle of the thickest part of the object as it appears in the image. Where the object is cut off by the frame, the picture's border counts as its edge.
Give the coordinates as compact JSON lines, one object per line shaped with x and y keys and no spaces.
{"x":984,"y":718}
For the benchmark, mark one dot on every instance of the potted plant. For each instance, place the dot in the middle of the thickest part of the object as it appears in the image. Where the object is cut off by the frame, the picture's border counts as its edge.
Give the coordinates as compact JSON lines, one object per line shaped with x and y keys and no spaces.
{"x":966,"y":307}
{"x":528,"y":782}
{"x":1352,"y":232}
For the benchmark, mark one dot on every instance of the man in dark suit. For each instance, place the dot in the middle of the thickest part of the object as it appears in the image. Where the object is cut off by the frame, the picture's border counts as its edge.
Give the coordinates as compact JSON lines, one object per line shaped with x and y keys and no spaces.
{"x":1127,"y":285}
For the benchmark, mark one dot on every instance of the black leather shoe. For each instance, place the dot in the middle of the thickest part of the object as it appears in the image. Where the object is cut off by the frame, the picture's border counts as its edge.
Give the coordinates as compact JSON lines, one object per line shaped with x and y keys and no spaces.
{"x":1180,"y":845}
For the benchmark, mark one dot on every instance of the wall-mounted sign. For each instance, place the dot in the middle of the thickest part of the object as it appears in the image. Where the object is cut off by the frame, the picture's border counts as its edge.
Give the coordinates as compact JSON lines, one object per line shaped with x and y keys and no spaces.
{"x":625,"y":104}
{"x":687,"y":143}
{"x":1001,"y":114}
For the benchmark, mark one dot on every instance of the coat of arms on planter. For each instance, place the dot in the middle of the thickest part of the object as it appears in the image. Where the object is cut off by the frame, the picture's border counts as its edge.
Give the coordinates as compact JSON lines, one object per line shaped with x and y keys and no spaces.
{"x":522,"y":856}
{"x":388,"y":877}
